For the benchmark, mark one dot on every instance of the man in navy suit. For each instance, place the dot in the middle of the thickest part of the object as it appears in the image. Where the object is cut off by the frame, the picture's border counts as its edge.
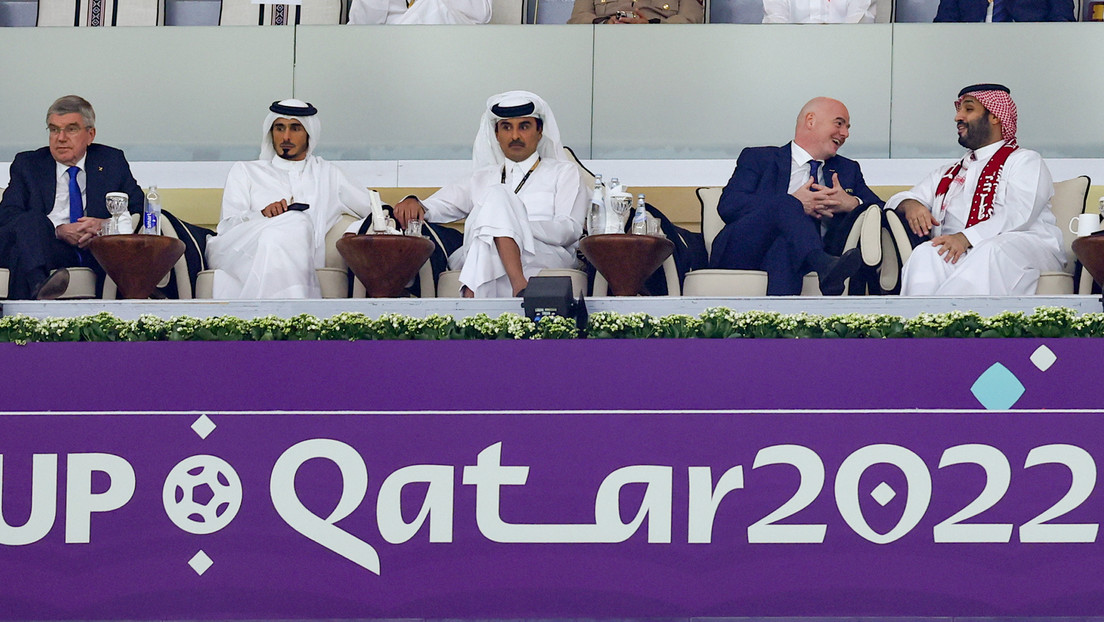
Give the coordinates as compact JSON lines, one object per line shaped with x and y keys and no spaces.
{"x":54,"y":205}
{"x":788,"y":210}
{"x":1005,"y":11}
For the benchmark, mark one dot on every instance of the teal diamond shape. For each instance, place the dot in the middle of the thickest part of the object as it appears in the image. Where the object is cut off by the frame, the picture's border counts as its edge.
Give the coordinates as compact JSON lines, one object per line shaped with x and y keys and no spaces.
{"x":997,"y":388}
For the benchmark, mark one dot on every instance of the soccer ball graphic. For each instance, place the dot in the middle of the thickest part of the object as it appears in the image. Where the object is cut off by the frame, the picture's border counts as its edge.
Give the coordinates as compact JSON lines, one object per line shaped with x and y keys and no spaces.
{"x":202,"y":494}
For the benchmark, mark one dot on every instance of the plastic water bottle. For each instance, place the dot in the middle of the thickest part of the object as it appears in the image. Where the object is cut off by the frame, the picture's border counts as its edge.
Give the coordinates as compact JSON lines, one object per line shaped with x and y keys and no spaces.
{"x":151,"y":215}
{"x":597,"y":208}
{"x":640,"y":218}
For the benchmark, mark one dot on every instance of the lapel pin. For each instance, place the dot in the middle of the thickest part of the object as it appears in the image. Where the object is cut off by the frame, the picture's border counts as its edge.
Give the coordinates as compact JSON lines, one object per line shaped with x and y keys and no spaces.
{"x":99,"y":168}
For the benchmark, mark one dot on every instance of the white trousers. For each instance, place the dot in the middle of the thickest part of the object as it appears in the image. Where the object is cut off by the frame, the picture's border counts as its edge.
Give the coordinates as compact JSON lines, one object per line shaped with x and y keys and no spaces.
{"x":266,"y":258}
{"x":499,"y":213}
{"x":1006,"y":265}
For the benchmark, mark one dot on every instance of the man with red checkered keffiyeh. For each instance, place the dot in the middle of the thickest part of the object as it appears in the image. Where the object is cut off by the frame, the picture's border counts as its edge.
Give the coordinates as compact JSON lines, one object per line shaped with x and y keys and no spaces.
{"x":988,"y":215}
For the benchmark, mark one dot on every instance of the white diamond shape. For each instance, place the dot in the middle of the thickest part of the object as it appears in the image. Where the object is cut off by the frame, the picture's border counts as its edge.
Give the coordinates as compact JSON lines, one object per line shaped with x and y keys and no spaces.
{"x":200,"y":563}
{"x":883,"y":494}
{"x":203,"y":426}
{"x":1043,"y":358}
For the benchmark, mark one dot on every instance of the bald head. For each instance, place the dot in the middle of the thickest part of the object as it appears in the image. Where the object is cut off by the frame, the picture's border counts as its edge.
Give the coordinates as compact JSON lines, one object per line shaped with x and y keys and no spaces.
{"x":822,"y":127}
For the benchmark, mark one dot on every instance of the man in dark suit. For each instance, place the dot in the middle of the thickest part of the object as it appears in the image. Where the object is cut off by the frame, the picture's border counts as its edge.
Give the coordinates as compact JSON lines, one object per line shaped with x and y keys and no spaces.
{"x":54,"y":205}
{"x":788,"y":210}
{"x":1005,"y":11}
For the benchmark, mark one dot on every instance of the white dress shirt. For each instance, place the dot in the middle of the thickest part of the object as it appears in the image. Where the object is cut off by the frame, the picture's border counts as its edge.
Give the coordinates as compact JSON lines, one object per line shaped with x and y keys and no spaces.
{"x":60,"y":214}
{"x":800,"y":168}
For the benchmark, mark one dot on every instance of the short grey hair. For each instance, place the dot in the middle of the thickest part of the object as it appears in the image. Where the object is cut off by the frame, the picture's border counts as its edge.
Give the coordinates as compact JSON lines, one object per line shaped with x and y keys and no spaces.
{"x":70,"y":104}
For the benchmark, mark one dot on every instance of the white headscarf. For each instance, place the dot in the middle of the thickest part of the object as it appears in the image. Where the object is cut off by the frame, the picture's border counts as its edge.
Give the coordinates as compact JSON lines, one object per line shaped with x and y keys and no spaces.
{"x":310,"y":123}
{"x":487,"y":152}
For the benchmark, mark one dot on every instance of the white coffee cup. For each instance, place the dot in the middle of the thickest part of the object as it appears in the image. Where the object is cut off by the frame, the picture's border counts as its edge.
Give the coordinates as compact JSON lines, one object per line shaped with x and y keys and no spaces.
{"x":1086,"y":224}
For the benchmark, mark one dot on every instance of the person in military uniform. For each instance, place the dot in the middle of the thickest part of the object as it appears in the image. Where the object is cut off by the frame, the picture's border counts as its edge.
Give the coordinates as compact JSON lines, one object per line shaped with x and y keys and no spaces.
{"x":637,"y":12}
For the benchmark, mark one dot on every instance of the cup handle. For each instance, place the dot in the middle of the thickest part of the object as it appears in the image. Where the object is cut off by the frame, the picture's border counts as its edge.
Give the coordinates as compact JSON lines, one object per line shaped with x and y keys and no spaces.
{"x":1071,"y":228}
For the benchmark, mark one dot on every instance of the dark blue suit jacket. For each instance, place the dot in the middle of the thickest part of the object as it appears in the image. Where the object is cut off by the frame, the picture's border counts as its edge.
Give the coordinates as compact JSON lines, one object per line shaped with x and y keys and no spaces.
{"x":757,"y":194}
{"x":1018,"y":10}
{"x":34,"y":183}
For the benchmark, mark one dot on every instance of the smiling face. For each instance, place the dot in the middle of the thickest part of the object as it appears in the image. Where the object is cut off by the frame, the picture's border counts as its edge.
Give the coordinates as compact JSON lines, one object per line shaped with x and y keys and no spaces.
{"x":976,"y":126}
{"x":518,"y":137}
{"x":69,"y":137}
{"x":822,"y":127}
{"x":289,"y":139}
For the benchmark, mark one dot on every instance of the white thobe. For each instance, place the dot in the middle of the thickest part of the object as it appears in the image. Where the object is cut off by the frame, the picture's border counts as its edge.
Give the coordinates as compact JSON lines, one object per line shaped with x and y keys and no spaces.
{"x":259,"y":257}
{"x":819,"y":11}
{"x":420,"y":12}
{"x":545,"y":218}
{"x":1008,"y":250}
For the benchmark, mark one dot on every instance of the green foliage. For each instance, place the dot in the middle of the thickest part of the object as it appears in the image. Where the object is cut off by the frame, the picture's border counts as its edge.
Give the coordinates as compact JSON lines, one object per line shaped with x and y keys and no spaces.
{"x":557,"y":327}
{"x":954,"y":324}
{"x":610,"y":325}
{"x":1005,"y":324}
{"x":717,"y":322}
{"x":505,"y":326}
{"x":1050,"y":322}
{"x":714,"y":323}
{"x":855,"y":325}
{"x":678,"y":327}
{"x":1089,"y":325}
{"x":348,"y":327}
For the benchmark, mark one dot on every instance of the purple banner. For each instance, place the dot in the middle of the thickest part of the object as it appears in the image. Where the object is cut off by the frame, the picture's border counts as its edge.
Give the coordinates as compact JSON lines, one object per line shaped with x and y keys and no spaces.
{"x":588,"y":479}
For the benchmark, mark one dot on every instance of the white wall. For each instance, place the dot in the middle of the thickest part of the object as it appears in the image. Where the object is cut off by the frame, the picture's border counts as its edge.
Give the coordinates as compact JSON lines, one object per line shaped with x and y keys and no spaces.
{"x":656,"y":93}
{"x":1052,"y":69}
{"x":195,"y":93}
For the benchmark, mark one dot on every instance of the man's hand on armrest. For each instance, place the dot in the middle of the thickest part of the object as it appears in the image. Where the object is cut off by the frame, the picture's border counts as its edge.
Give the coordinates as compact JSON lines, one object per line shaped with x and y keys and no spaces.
{"x":918,"y":216}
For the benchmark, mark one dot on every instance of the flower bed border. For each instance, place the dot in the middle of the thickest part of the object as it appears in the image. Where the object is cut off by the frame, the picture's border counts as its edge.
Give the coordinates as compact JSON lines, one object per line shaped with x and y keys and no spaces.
{"x":713,"y":323}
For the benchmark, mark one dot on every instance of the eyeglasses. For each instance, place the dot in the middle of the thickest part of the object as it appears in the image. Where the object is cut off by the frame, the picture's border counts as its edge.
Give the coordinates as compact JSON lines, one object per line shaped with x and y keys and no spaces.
{"x":68,"y":130}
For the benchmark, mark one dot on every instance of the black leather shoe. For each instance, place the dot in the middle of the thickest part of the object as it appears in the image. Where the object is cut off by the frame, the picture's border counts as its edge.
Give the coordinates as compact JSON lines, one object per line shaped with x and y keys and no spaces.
{"x":841,"y":269}
{"x":52,"y":287}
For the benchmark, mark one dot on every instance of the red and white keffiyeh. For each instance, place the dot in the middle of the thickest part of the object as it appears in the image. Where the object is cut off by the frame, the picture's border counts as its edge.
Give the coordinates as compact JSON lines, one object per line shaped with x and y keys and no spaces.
{"x":998,"y":103}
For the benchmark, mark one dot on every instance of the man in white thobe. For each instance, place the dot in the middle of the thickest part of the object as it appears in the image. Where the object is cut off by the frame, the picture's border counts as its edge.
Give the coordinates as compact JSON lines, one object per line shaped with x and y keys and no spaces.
{"x":819,"y":11}
{"x":524,"y":205}
{"x":988,"y":214}
{"x":420,"y":12}
{"x":276,"y":211}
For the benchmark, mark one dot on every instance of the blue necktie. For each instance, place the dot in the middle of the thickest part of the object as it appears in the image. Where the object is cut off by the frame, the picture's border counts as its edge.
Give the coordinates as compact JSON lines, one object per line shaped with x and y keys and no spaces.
{"x":1000,"y":11}
{"x":814,"y":168}
{"x":76,"y":206}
